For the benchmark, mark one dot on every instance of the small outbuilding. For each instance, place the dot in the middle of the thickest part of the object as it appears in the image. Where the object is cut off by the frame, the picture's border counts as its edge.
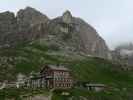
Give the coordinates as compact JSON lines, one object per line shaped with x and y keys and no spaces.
{"x":95,"y":87}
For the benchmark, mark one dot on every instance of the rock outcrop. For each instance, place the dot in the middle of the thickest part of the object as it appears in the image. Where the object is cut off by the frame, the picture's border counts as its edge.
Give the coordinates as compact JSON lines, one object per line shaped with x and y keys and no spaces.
{"x":28,"y":17}
{"x":8,"y":28}
{"x":76,"y":35}
{"x":67,"y":17}
{"x":17,"y":29}
{"x":69,"y":33}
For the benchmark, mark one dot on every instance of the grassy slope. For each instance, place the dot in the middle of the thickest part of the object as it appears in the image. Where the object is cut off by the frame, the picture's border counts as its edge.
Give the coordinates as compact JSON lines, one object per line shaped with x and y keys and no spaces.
{"x":33,"y":56}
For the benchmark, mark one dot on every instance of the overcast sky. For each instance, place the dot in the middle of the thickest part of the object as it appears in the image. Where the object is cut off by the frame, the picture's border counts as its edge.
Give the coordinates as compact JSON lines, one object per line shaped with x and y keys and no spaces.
{"x":113,"y":19}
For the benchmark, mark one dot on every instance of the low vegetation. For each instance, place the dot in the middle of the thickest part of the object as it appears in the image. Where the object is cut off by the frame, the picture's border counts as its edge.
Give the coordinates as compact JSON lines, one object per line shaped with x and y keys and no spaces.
{"x":31,"y":57}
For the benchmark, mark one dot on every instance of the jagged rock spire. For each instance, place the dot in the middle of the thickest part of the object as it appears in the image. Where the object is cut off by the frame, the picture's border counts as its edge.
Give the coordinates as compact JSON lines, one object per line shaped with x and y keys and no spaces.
{"x":67,"y":17}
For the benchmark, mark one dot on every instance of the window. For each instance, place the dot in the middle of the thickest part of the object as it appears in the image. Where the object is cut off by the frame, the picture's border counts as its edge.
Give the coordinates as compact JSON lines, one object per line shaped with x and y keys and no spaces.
{"x":57,"y":85}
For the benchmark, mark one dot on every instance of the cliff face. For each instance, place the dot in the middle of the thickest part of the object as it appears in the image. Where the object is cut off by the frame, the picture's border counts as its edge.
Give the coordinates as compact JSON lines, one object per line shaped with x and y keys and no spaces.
{"x":8,"y":28}
{"x":28,"y":17}
{"x":69,"y":33}
{"x":77,"y":36}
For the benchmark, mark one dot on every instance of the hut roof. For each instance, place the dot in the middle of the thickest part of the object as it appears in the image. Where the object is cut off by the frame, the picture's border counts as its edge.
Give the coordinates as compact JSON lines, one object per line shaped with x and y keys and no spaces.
{"x":58,"y":67}
{"x":95,"y":85}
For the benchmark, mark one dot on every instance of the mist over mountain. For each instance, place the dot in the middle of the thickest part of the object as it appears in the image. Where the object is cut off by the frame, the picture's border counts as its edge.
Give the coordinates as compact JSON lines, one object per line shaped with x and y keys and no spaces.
{"x":124,"y":54}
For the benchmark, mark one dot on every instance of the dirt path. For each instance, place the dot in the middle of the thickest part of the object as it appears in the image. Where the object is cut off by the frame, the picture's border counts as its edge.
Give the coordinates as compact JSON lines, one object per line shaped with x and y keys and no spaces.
{"x":37,"y":97}
{"x":50,"y":94}
{"x":40,"y":97}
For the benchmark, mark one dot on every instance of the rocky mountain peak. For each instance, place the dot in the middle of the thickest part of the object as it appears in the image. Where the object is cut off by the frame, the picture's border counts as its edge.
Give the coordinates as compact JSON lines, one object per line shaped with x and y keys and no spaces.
{"x":75,"y":35}
{"x":9,"y":15}
{"x":29,"y":9}
{"x":67,"y":17}
{"x":68,"y":33}
{"x":29,"y":17}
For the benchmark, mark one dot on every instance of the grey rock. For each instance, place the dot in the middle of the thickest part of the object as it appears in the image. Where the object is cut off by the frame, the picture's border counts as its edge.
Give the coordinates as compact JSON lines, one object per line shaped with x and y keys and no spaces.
{"x":19,"y":29}
{"x":76,"y":35}
{"x":69,"y":33}
{"x":28,"y":17}
{"x":8,"y":28}
{"x":67,"y":17}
